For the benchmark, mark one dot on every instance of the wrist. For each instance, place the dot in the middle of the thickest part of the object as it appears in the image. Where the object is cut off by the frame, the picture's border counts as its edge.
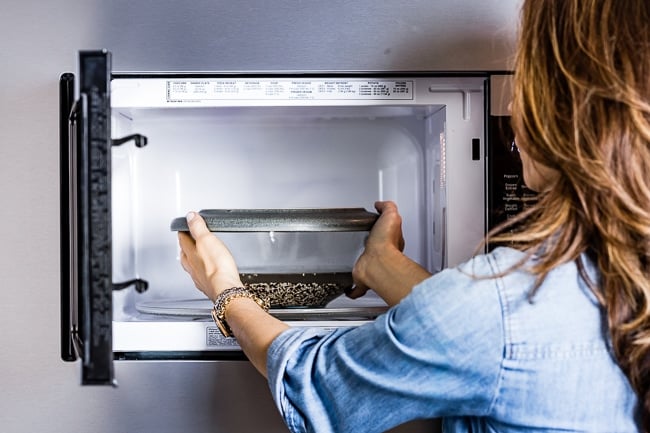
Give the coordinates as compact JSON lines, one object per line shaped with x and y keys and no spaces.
{"x":223,"y":301}
{"x":220,"y":285}
{"x":373,"y":262}
{"x":390,"y":273}
{"x":238,"y":304}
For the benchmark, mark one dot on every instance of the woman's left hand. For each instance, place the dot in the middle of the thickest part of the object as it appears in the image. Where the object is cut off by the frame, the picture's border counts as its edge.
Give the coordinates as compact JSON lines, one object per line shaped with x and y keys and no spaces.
{"x":207,"y":259}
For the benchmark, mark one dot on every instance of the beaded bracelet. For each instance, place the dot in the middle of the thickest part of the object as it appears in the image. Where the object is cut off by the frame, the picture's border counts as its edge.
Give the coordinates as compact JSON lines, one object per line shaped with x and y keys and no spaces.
{"x":222,"y":301}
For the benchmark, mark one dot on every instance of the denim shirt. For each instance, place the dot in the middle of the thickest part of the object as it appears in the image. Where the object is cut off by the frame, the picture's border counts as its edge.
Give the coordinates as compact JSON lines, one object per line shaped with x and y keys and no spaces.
{"x":474,"y":351}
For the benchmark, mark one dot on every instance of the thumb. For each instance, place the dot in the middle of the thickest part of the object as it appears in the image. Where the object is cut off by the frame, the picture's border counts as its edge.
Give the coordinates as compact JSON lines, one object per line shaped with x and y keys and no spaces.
{"x":196,"y":225}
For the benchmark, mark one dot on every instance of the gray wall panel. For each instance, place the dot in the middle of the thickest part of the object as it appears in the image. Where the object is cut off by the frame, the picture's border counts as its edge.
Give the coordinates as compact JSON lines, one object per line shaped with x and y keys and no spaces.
{"x":309,"y":34}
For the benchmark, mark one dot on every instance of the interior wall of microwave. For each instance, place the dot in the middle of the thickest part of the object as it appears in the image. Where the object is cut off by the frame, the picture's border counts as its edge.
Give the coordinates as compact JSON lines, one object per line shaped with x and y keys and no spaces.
{"x":279,"y":157}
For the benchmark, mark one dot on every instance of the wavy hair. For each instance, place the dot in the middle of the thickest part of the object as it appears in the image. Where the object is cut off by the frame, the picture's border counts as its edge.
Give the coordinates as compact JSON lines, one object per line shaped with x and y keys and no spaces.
{"x":581,"y":105}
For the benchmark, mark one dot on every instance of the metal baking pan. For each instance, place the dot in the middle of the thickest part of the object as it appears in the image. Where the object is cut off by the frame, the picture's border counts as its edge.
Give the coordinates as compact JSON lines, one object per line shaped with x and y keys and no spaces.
{"x":283,"y":220}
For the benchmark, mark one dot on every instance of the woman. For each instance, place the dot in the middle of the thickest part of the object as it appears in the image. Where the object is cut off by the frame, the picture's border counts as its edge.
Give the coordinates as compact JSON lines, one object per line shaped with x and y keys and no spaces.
{"x":550,"y":331}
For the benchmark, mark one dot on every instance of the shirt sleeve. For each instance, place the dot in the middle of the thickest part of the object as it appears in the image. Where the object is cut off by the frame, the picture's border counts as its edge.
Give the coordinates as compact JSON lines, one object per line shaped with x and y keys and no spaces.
{"x":437,"y":353}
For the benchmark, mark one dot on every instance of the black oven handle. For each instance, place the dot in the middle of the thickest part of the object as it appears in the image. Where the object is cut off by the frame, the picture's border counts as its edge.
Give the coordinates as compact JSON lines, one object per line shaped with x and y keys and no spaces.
{"x":85,"y":218}
{"x":66,"y":103}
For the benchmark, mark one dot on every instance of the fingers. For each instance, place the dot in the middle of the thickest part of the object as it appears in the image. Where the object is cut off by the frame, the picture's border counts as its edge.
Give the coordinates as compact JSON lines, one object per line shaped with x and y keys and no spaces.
{"x":185,"y":240}
{"x":357,"y":291}
{"x":196,"y":225}
{"x":383,"y":206}
{"x":188,"y":240}
{"x":185,"y":262}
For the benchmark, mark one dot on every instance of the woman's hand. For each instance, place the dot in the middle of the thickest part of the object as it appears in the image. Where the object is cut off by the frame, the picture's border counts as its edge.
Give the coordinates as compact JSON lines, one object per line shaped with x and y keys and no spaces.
{"x":207,"y":259}
{"x":213,"y":270}
{"x":386,"y":235}
{"x":387,"y":231}
{"x":382,"y":266}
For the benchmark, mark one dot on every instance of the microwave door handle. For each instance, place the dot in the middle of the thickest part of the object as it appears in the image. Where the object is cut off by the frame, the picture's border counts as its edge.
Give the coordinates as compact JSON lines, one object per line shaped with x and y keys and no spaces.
{"x":85,"y":277}
{"x":66,"y":103}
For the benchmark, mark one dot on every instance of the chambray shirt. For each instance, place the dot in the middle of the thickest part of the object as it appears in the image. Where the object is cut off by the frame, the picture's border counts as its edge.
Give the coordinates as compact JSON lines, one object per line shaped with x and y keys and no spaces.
{"x":473,"y":351}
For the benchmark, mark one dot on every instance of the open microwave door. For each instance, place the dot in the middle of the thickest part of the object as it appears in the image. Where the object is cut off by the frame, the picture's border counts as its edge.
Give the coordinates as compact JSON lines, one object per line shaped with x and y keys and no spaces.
{"x":86,"y":250}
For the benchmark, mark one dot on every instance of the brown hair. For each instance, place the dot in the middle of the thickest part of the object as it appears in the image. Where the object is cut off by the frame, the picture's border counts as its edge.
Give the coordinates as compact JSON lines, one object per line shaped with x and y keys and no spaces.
{"x":582,"y":107}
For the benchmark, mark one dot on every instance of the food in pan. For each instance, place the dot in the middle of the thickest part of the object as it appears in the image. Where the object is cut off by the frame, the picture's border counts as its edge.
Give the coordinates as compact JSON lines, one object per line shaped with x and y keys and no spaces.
{"x":298,"y":290}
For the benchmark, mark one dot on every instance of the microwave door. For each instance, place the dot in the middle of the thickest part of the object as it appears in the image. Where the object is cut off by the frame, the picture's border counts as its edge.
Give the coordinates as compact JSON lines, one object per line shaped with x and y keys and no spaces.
{"x":86,"y":237}
{"x":86,"y":285}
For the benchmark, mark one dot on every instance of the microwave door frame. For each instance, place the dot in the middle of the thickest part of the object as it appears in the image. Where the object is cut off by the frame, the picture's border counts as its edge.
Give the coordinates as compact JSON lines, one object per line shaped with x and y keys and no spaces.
{"x":86,"y":266}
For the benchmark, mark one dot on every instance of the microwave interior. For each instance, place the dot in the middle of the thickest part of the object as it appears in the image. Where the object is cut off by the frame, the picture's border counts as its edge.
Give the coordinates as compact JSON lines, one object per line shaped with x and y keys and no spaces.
{"x":281,"y":156}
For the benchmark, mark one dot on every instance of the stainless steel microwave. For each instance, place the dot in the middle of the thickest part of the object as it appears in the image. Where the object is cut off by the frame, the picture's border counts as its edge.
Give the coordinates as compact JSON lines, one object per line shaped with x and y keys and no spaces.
{"x":140,"y":149}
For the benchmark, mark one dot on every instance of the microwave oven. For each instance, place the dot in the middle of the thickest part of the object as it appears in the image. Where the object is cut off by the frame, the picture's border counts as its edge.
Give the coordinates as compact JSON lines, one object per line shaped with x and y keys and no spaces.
{"x":140,"y":149}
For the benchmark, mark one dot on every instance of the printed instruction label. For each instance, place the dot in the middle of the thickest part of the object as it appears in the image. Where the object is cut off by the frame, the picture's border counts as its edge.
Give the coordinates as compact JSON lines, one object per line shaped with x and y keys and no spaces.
{"x":215,"y":338}
{"x":195,"y":90}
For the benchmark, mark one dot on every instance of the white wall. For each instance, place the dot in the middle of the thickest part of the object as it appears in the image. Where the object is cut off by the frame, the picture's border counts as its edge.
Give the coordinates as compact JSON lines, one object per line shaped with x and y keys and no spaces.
{"x":39,"y":40}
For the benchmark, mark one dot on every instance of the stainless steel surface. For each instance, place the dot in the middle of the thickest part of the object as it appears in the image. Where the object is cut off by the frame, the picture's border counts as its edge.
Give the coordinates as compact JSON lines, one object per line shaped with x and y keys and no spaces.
{"x":307,"y":35}
{"x":283,"y":220}
{"x":40,"y":40}
{"x":501,"y":95}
